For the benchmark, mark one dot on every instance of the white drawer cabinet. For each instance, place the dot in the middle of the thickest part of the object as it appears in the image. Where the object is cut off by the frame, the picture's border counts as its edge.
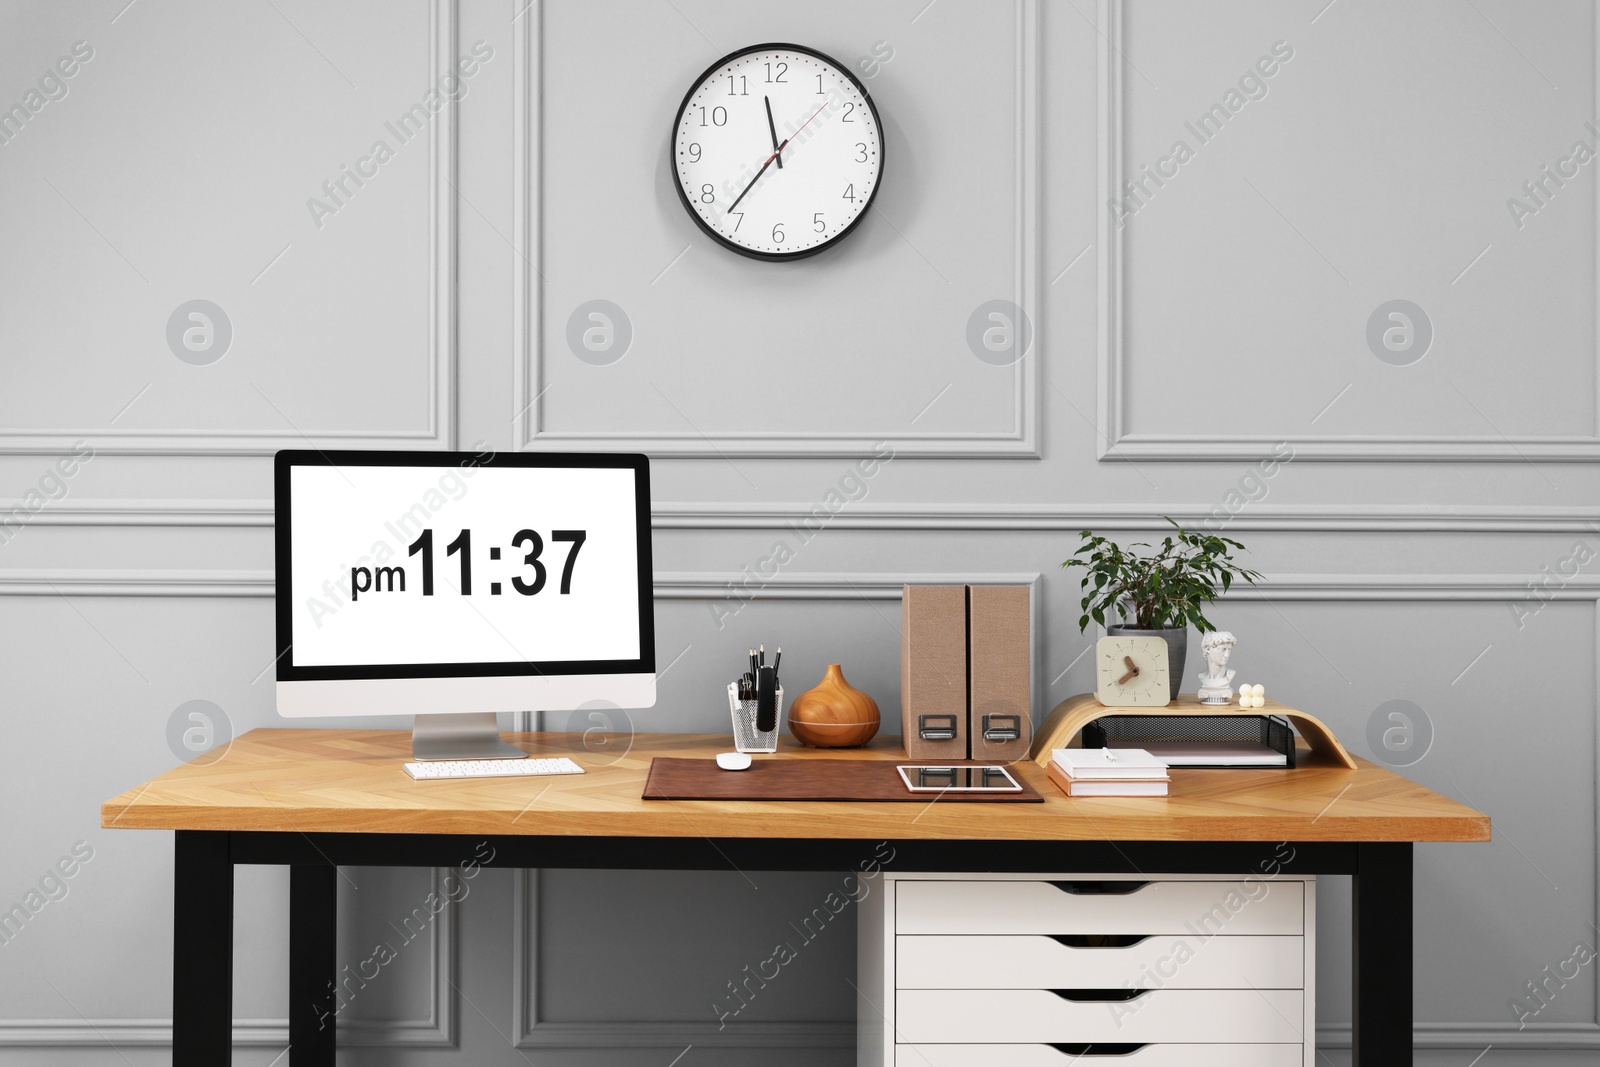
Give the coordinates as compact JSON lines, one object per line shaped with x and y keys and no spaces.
{"x":1044,"y":971}
{"x":1050,"y":1056}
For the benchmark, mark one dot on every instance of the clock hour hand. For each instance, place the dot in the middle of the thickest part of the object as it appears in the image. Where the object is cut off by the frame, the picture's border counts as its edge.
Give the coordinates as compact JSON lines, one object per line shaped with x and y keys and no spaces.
{"x":777,"y":149}
{"x":1133,"y":671}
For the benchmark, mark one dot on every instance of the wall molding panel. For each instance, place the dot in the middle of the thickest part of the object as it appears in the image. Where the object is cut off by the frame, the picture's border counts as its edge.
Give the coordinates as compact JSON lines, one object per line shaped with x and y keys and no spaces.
{"x":1537,"y":1037}
{"x":528,"y":391}
{"x":108,"y":512}
{"x":867,"y":585}
{"x":1115,"y":442}
{"x":1292,"y":518}
{"x":436,"y":1030}
{"x":712,"y":515}
{"x":1439,"y":1036}
{"x":440,"y":429}
{"x":530,"y":1031}
{"x":137,"y":583}
{"x":669,"y":585}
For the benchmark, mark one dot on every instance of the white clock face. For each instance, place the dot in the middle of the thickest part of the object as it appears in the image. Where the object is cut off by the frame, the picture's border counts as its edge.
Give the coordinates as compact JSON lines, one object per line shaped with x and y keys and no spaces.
{"x":778,"y":151}
{"x":1133,"y":670}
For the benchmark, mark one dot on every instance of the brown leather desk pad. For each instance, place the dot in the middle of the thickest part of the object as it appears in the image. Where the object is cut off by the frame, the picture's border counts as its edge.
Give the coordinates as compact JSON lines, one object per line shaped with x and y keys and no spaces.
{"x":805,"y":779}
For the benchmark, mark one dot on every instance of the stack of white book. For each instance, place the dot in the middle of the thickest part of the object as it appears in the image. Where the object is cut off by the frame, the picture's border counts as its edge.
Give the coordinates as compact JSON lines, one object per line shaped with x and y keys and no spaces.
{"x":1108,"y":772}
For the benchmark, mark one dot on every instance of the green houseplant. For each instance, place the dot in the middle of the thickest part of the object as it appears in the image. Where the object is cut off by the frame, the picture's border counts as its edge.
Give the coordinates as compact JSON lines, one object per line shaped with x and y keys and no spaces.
{"x":1160,"y":593}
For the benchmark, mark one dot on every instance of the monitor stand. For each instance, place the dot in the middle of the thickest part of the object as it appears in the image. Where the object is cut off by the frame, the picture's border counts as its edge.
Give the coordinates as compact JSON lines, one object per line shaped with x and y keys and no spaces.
{"x":475,"y":735}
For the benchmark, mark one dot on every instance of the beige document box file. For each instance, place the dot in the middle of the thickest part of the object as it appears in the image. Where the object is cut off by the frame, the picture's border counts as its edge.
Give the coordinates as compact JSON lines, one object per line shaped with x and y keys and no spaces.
{"x":1001,"y":697}
{"x":933,"y":672}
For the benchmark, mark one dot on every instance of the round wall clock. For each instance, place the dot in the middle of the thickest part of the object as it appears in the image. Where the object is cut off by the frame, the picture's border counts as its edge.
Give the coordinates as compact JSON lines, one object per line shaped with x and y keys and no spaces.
{"x":778,"y":151}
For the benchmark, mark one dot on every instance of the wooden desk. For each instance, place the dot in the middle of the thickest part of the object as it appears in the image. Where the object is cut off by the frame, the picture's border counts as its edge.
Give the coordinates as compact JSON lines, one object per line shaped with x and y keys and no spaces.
{"x":316,"y":799}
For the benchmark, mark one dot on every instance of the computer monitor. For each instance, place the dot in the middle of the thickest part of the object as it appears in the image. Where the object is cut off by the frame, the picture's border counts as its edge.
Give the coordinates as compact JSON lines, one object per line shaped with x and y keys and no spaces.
{"x":454,"y":585}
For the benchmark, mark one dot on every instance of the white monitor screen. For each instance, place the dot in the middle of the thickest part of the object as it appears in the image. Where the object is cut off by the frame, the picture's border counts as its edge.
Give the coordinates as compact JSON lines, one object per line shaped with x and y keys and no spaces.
{"x":401,"y":565}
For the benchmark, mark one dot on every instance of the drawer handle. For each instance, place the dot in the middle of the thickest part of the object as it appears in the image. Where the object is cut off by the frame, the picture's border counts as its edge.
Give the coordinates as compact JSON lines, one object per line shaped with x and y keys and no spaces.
{"x":936,"y":727}
{"x":1099,"y":940}
{"x":1098,"y":1050}
{"x":1106,"y":889}
{"x":1100,"y":996}
{"x":1103,"y":1049}
{"x":1001,"y":728}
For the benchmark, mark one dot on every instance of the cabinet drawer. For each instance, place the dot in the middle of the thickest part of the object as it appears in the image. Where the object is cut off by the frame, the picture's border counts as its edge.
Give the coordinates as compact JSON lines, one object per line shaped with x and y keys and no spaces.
{"x":1198,"y":909}
{"x":1159,"y":961}
{"x":1164,"y":1016}
{"x":1049,"y":1056}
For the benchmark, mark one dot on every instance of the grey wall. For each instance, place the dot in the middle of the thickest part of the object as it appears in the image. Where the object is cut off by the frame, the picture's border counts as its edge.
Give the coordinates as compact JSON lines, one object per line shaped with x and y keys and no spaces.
{"x":1429,"y":528}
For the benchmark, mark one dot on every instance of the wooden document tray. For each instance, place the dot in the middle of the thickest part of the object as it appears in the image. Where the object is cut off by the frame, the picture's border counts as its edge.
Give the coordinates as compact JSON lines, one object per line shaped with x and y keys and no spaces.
{"x":806,"y":779}
{"x":1067,"y":721}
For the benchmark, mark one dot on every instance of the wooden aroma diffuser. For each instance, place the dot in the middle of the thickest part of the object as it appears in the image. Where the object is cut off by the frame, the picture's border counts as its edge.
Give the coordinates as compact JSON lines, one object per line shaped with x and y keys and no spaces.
{"x":833,"y":715}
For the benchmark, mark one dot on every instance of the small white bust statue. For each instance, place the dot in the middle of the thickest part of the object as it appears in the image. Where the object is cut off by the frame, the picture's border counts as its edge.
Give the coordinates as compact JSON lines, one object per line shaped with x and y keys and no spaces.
{"x":1216,"y":681}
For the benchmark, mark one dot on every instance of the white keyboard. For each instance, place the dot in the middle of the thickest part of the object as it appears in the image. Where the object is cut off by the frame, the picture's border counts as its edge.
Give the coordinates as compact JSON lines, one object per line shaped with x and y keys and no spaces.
{"x":492,"y":768}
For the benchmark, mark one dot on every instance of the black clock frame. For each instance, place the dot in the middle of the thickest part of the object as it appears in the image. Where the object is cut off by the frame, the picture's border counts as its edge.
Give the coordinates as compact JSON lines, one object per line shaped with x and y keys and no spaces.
{"x":683,"y":197}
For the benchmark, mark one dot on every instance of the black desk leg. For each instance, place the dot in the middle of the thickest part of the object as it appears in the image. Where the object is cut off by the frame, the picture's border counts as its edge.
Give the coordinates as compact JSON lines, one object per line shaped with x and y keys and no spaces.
{"x":202,"y":950}
{"x":313,"y":922}
{"x":1383,"y":903}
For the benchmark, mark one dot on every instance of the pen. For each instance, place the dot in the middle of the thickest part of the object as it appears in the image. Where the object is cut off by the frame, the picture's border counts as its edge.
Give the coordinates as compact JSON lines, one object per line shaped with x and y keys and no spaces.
{"x":763,"y":655}
{"x":777,"y":660}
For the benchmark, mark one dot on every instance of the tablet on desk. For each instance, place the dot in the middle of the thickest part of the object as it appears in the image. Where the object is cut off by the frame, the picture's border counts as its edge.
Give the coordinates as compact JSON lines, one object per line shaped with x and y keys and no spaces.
{"x":948,"y":779}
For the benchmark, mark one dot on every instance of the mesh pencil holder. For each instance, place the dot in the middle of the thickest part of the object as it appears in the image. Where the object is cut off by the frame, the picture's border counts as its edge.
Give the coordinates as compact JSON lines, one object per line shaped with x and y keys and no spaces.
{"x":746,"y":738}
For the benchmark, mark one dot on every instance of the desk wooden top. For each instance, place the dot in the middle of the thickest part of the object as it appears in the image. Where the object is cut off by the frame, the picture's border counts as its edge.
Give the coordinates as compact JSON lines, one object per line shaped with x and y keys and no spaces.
{"x":352,"y":781}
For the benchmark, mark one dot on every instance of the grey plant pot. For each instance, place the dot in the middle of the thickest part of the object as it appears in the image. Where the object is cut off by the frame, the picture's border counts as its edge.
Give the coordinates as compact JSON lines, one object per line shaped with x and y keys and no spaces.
{"x":1177,"y":639}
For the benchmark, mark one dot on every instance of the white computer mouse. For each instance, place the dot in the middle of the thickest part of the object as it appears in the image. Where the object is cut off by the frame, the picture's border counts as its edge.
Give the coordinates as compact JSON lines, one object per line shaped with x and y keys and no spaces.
{"x":733,"y":761}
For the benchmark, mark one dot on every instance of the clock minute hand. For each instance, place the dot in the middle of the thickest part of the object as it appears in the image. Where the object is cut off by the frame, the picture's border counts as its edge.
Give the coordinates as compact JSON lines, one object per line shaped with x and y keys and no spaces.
{"x":1133,"y":671}
{"x":753,"y":181}
{"x":777,"y":149}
